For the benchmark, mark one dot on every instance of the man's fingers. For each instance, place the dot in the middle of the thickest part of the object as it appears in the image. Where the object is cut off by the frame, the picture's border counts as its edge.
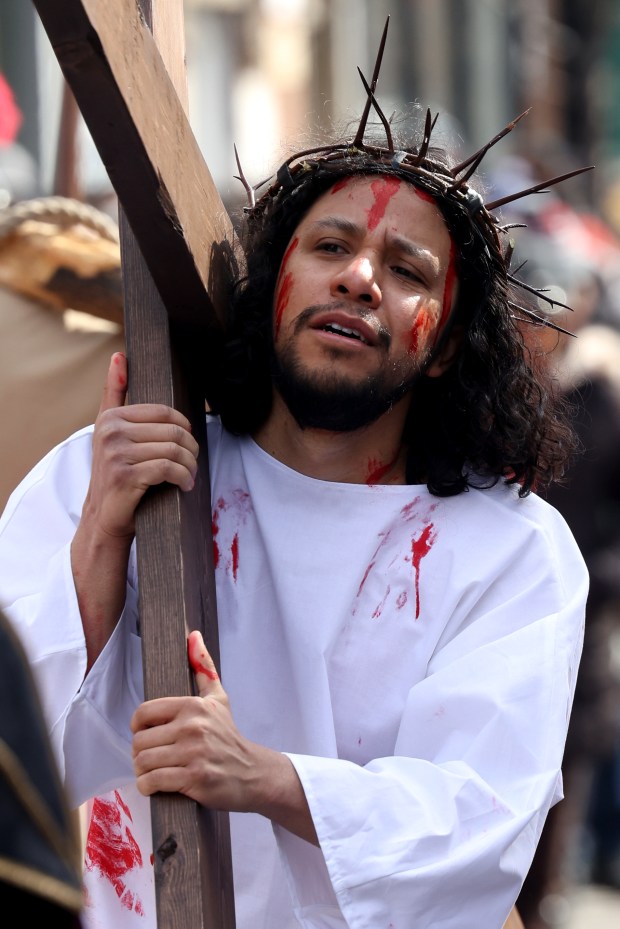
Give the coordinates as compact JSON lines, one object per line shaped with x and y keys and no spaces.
{"x":115,"y":387}
{"x":201,"y":663}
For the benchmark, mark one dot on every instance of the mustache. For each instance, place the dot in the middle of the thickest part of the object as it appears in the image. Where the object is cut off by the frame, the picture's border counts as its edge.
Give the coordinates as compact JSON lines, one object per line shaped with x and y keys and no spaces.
{"x":383,"y":334}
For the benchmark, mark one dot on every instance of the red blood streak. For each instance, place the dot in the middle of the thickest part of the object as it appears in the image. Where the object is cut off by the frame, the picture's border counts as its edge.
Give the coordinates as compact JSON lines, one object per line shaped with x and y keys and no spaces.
{"x":284,"y":284}
{"x":284,"y":293}
{"x":366,"y":573}
{"x":424,"y":195}
{"x":448,"y":291}
{"x":234,"y":551}
{"x":116,"y":359}
{"x":215,"y":528}
{"x":376,"y":470}
{"x":379,"y":609}
{"x":198,"y":659}
{"x":111,"y":848}
{"x":420,"y":547}
{"x":340,"y":184}
{"x":383,"y":190}
{"x":418,"y":330}
{"x":287,"y":255}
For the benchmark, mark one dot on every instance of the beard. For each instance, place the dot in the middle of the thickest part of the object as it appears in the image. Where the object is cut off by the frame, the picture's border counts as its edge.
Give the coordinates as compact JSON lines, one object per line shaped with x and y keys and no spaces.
{"x":333,"y":401}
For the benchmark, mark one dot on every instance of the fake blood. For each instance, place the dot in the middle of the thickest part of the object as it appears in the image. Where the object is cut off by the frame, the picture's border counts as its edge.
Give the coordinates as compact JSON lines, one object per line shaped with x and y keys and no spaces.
{"x":198,"y":659}
{"x":424,"y":195}
{"x":448,"y":290}
{"x":237,"y":508}
{"x":234,"y":551}
{"x":377,"y":469}
{"x":284,"y":285}
{"x":418,"y":331}
{"x":122,"y":380}
{"x":340,"y":184}
{"x":215,"y":528}
{"x":383,"y":190}
{"x":111,"y":848}
{"x":420,"y":547}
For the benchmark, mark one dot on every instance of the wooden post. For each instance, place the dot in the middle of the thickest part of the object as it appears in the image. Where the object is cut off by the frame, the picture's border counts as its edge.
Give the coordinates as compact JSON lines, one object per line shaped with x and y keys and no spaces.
{"x":176,"y":253}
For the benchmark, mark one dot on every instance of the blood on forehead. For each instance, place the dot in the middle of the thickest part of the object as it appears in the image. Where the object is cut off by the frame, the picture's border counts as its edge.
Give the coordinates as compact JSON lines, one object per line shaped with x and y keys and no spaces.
{"x":383,"y":190}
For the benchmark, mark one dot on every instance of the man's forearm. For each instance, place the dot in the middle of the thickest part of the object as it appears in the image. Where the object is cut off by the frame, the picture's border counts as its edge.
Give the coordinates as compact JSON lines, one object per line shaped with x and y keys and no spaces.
{"x":100,"y":576}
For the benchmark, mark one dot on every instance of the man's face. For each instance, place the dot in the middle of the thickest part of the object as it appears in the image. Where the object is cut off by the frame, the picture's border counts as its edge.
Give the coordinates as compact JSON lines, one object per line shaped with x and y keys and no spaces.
{"x":365,"y":288}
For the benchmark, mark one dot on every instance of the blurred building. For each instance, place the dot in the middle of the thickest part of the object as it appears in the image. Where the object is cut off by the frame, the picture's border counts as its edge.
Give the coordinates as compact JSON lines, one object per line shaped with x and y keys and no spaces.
{"x":262,"y":72}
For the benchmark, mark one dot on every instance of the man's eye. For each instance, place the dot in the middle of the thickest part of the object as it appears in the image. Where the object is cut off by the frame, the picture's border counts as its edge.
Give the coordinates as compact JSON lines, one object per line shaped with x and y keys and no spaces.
{"x":408,"y":273}
{"x":332,"y":247}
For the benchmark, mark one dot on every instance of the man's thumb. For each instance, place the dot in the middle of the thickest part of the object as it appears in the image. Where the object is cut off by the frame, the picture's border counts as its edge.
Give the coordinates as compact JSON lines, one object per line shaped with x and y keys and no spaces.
{"x":115,"y":387}
{"x":201,"y":664}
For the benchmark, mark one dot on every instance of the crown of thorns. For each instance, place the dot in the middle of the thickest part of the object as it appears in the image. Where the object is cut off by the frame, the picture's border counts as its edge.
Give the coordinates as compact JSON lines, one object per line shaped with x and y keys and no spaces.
{"x":438,"y":179}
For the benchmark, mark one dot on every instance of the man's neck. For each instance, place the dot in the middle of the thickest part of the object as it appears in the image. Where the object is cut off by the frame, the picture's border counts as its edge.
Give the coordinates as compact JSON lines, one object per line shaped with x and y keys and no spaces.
{"x":372,"y":455}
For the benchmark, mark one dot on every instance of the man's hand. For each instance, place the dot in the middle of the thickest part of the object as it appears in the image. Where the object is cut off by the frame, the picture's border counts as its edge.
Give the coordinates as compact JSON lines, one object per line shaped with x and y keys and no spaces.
{"x":134,"y":448}
{"x":191,"y":745}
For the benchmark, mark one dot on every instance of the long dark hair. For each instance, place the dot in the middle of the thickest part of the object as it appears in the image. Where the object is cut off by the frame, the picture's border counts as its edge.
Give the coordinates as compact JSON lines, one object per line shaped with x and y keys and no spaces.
{"x":492,"y":414}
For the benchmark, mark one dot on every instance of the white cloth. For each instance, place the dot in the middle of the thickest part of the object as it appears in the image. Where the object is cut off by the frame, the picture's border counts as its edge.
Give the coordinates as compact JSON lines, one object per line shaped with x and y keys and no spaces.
{"x":415,"y":657}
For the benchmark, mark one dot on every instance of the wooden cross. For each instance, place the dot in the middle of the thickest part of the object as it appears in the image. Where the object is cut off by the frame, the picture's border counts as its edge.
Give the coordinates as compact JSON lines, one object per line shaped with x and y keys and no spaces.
{"x":124,"y":62}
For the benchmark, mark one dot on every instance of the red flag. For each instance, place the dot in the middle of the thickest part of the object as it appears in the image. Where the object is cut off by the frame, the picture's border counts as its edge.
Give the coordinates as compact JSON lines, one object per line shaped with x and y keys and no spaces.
{"x":10,"y":114}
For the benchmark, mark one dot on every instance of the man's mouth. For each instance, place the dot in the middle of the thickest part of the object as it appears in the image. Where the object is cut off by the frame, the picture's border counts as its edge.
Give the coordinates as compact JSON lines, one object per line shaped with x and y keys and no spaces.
{"x":344,"y":331}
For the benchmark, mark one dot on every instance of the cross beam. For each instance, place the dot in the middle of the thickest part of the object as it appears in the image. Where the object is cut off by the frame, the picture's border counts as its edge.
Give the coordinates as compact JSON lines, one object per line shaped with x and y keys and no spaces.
{"x":177,"y":260}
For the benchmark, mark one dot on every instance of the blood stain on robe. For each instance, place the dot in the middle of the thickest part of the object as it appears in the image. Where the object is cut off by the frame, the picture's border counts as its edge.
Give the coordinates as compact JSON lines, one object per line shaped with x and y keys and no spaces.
{"x":237,"y":508}
{"x":215,"y":528}
{"x":382,"y":561}
{"x":420,"y":548}
{"x":379,"y":608}
{"x":111,"y":848}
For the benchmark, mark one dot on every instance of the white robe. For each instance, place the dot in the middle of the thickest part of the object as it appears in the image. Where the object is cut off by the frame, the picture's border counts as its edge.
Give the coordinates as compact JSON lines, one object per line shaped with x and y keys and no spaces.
{"x":414,"y":656}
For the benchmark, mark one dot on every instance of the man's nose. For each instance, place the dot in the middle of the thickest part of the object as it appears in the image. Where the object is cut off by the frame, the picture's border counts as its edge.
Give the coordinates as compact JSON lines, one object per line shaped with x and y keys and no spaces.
{"x":358,"y":281}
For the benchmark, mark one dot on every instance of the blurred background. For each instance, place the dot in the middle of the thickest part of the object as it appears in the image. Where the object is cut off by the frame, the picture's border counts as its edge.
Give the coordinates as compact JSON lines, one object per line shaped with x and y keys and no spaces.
{"x":269,"y":76}
{"x":262,"y":71}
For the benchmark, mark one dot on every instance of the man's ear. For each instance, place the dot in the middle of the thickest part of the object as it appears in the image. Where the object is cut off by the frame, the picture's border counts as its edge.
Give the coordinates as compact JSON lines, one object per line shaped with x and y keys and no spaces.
{"x":449,"y":350}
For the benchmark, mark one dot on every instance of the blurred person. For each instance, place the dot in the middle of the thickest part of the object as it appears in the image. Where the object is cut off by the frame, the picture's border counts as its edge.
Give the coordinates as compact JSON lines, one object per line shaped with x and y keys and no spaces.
{"x":400,"y":617}
{"x":40,"y":881}
{"x":588,"y":371}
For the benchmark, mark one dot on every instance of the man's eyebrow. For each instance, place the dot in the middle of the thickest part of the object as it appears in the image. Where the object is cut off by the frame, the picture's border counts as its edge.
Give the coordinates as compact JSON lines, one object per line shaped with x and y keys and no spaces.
{"x":338,"y":223}
{"x":415,"y":251}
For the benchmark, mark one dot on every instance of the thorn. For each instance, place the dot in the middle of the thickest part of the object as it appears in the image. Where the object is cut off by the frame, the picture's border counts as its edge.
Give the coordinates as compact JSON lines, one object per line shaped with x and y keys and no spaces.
{"x":241,"y":177}
{"x":359,"y":137}
{"x":536,"y":188}
{"x":479,"y":155}
{"x":429,"y":125}
{"x":380,"y":113}
{"x":541,"y":319}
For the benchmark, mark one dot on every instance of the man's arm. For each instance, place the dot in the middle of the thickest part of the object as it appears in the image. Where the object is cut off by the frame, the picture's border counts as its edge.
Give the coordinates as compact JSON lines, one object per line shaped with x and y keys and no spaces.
{"x":134,"y":447}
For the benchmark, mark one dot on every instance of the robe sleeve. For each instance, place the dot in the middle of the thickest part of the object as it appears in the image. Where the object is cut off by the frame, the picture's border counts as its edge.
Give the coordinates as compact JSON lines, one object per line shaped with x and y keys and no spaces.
{"x":37,"y":594}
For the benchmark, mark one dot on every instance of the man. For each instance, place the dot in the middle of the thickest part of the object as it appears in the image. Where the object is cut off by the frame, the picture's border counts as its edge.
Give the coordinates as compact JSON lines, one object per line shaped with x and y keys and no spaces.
{"x":400,"y":618}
